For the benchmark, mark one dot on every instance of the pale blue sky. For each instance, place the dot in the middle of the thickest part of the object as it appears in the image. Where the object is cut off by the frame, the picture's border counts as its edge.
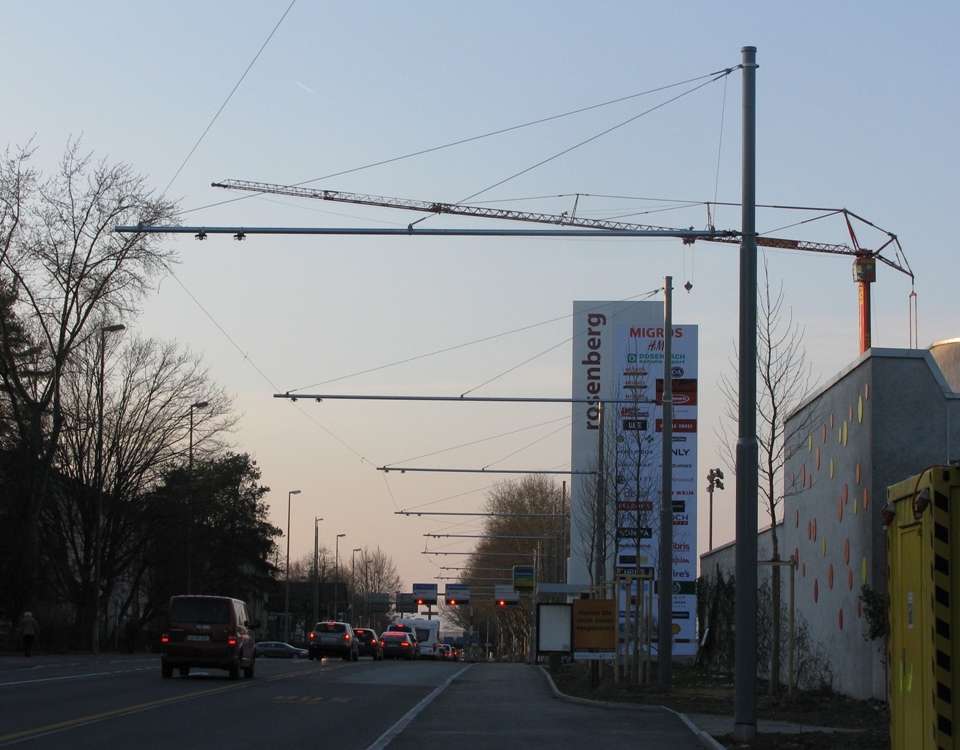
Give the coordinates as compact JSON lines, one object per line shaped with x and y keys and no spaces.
{"x":857,"y":107}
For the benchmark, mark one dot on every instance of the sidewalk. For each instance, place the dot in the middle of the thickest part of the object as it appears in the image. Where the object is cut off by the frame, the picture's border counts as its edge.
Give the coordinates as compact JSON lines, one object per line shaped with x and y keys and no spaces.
{"x":508,"y":706}
{"x":717,"y":726}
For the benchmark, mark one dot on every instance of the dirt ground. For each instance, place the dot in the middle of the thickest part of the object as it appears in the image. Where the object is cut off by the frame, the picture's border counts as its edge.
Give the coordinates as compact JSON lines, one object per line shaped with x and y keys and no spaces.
{"x":695,"y":691}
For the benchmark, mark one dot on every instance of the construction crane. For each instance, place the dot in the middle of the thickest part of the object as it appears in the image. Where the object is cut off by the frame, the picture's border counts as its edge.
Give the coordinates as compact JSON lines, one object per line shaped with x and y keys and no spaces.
{"x":864,"y":259}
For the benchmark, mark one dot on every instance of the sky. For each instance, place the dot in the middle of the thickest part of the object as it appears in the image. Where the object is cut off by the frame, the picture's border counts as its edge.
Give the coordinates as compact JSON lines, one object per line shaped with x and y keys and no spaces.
{"x":857,"y":108}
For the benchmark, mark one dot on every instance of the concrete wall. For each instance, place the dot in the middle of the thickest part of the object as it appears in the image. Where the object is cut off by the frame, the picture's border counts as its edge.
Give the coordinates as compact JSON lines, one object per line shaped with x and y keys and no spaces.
{"x":884,"y":418}
{"x":724,"y":556}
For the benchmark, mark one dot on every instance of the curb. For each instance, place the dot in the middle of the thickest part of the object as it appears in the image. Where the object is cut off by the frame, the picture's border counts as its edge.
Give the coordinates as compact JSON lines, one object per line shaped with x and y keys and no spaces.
{"x":703,"y":737}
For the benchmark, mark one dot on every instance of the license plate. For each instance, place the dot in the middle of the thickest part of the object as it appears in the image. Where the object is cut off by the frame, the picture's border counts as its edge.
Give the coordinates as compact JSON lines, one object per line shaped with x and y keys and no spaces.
{"x":198,"y":637}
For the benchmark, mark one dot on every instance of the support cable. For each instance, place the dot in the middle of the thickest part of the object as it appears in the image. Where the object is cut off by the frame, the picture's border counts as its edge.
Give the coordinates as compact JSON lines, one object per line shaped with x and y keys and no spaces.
{"x":229,"y":97}
{"x":470,"y":139}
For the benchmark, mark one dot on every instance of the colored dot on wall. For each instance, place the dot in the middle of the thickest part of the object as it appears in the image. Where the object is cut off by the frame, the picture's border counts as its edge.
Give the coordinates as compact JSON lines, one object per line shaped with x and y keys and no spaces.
{"x":850,"y":578}
{"x":797,"y":524}
{"x":830,"y":577}
{"x":863,"y":571}
{"x":832,"y":468}
{"x":840,"y":509}
{"x":816,"y":590}
{"x":846,"y":551}
{"x":866,"y":498}
{"x":809,"y":480}
{"x":840,"y":619}
{"x":818,"y":458}
{"x":823,"y":546}
{"x":860,"y":409}
{"x":845,"y":493}
{"x":856,"y":506}
{"x":843,"y":433}
{"x":866,"y":391}
{"x":810,"y":442}
{"x":831,"y":421}
{"x":803,"y":475}
{"x":850,"y":412}
{"x":814,"y":529}
{"x":840,"y":434}
{"x":857,"y":473}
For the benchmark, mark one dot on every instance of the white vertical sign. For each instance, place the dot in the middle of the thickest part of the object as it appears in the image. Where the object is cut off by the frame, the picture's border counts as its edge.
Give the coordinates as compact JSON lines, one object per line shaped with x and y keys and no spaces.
{"x":618,"y":357}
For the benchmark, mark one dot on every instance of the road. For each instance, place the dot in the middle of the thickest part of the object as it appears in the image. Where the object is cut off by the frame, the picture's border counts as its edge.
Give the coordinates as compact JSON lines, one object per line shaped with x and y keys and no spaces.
{"x":117,"y":701}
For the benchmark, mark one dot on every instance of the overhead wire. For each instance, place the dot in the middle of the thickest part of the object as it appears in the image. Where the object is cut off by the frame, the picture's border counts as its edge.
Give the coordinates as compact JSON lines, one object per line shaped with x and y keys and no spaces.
{"x":462,"y":345}
{"x":477,"y":442}
{"x":468,"y":139}
{"x":229,"y":96}
{"x":529,"y":445}
{"x":585,"y":141}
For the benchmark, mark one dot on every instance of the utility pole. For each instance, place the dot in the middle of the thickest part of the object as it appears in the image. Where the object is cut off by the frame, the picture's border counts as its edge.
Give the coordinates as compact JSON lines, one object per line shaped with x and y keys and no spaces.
{"x":316,"y":568}
{"x":336,"y":582}
{"x":600,"y":533}
{"x":196,"y":405}
{"x":98,"y":481}
{"x":353,"y":582}
{"x":665,"y":623}
{"x":286,"y":596}
{"x":745,"y":620}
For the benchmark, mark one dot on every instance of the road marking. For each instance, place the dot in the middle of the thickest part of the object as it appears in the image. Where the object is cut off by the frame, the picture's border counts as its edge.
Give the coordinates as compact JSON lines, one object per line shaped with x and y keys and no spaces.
{"x":61,"y":726}
{"x":387,"y":737}
{"x":75,"y":676}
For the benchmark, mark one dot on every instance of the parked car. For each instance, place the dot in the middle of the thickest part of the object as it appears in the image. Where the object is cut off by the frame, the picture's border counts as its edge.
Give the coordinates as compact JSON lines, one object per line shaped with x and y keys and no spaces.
{"x":208,"y":631}
{"x":398,"y":645}
{"x":280,"y":650}
{"x":368,"y":643}
{"x":442,"y":652}
{"x":333,"y":639}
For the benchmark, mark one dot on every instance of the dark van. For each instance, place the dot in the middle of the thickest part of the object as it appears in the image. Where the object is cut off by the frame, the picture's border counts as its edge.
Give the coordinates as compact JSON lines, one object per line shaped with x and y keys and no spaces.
{"x":208,"y":631}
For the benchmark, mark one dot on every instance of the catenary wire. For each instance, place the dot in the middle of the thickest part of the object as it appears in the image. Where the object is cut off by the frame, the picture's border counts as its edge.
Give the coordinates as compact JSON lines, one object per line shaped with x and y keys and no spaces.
{"x":585,"y":141}
{"x":528,"y":445}
{"x":462,"y":345}
{"x":478,"y":441}
{"x":469,"y":139}
{"x":527,"y":361}
{"x":229,"y":97}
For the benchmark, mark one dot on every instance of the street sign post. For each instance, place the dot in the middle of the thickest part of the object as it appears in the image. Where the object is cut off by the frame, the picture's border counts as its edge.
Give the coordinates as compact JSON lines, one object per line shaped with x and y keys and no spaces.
{"x":524,"y":577}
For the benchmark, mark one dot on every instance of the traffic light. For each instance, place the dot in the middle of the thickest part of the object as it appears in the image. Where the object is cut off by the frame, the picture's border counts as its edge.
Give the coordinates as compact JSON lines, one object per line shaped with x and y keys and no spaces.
{"x":451,"y":602}
{"x":507,"y":603}
{"x":419,"y":602}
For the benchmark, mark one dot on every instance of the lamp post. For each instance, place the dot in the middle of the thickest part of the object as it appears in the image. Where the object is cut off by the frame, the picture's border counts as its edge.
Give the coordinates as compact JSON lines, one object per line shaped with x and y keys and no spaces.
{"x":195,"y":405}
{"x":286,"y":596}
{"x":316,"y":568}
{"x":714,"y":481}
{"x":98,"y":480}
{"x":336,"y":580}
{"x":353,"y":575}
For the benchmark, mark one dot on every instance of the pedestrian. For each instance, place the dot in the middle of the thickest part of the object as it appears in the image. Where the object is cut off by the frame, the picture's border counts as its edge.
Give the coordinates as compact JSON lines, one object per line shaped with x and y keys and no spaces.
{"x":29,"y":628}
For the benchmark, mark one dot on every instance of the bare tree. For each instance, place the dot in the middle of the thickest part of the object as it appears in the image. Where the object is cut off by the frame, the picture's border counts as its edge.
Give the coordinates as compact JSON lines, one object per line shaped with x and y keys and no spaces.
{"x":62,"y":269}
{"x":147,"y":392}
{"x":784,"y":380}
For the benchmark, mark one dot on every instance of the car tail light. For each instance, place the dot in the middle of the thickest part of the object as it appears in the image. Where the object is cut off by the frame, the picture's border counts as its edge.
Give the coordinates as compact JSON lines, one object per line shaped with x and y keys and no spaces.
{"x":164,"y":638}
{"x":404,"y":643}
{"x":231,"y":640}
{"x":383,"y":643}
{"x":312,"y":636}
{"x":346,"y":636}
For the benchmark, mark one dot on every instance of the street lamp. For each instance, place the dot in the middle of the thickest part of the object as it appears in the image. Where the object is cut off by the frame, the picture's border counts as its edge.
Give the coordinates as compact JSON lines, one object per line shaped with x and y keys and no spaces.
{"x":195,"y":405}
{"x":286,"y":598}
{"x":316,"y":568}
{"x":98,"y":479}
{"x":353,"y":574}
{"x":336,"y":581}
{"x":714,"y":481}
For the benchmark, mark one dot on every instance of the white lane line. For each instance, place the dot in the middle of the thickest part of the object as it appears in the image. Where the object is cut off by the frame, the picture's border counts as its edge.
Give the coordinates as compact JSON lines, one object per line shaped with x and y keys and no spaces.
{"x":387,"y":737}
{"x":73,"y":677}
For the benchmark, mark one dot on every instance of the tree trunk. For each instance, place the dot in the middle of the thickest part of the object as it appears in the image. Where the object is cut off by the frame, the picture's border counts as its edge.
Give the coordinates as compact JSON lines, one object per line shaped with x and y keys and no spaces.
{"x":775,"y":597}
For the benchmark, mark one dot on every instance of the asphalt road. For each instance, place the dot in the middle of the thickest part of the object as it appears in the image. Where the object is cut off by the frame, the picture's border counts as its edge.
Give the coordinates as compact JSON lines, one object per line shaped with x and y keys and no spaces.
{"x":116,"y":701}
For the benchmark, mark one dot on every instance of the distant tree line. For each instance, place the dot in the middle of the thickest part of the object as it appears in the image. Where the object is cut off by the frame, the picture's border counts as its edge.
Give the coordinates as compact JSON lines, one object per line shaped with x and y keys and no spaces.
{"x":103,"y":515}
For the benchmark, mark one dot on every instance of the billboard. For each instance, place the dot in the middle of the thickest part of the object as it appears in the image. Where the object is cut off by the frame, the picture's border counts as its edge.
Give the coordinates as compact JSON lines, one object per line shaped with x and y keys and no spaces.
{"x":618,"y":350}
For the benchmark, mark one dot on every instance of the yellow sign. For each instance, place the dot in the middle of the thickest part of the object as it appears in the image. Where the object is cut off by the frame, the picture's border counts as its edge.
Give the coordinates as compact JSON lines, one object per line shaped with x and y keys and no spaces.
{"x":594,"y":624}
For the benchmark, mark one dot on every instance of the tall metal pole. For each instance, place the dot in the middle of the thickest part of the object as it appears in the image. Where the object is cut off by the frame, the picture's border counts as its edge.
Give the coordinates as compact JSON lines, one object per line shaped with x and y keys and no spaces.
{"x":98,"y":511}
{"x":190,"y":508}
{"x":710,"y":492}
{"x":665,"y":614}
{"x":745,"y":704}
{"x":336,"y":581}
{"x":600,"y":510}
{"x":286,"y":595}
{"x":316,"y":568}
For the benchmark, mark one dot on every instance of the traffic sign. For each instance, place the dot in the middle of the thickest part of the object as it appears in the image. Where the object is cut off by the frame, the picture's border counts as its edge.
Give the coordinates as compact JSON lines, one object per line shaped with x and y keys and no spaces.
{"x":425,"y":593}
{"x":524,"y":577}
